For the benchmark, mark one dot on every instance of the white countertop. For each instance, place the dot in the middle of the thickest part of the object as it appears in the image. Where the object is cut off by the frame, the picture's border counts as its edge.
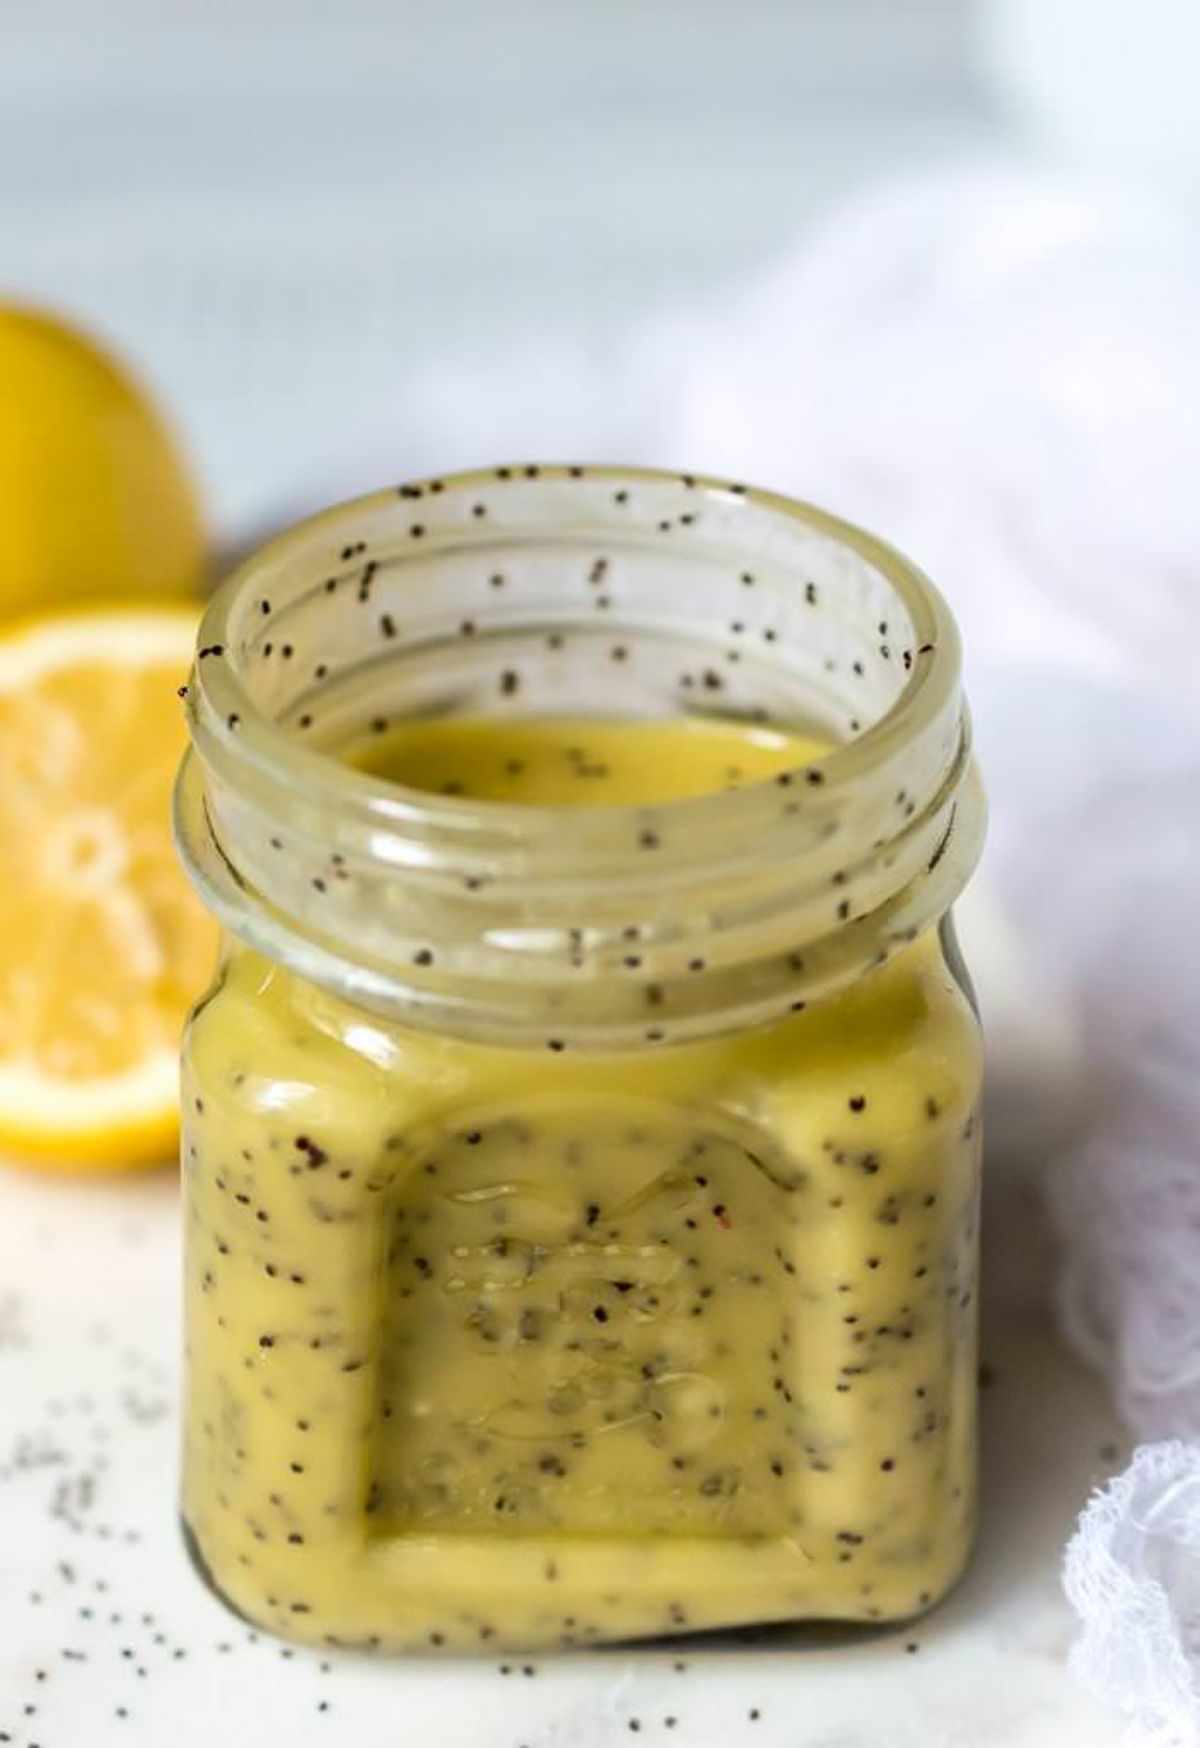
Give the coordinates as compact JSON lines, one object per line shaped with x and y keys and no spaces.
{"x":112,"y":1640}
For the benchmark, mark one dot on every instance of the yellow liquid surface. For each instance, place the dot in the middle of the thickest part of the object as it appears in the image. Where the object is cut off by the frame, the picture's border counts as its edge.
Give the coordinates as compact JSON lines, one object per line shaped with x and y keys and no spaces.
{"x":594,"y":763}
{"x":492,"y":1348}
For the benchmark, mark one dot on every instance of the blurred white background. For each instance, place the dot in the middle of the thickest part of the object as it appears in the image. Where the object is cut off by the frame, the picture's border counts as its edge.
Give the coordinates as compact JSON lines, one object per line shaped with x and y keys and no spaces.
{"x":282,"y":209}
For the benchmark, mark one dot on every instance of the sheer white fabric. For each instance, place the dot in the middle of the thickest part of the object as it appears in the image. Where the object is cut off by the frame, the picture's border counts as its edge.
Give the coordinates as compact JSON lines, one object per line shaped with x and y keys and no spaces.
{"x":1004,"y":374}
{"x":1133,"y":1573}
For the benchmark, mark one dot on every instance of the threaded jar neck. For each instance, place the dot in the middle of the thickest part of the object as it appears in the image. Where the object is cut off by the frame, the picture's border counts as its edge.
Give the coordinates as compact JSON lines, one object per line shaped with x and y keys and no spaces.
{"x":575,"y":591}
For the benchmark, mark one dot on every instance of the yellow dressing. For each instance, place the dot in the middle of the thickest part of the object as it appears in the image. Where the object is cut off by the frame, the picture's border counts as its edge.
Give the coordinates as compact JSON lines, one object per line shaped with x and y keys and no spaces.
{"x":596,"y":762}
{"x":489,"y":1347}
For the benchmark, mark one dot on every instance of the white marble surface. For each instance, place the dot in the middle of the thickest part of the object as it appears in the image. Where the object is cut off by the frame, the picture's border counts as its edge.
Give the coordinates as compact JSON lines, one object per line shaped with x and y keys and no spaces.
{"x":97,"y":1594}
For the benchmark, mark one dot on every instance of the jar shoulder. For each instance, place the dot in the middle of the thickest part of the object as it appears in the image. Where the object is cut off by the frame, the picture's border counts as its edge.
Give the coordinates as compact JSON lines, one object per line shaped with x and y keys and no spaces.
{"x":903,"y":1040}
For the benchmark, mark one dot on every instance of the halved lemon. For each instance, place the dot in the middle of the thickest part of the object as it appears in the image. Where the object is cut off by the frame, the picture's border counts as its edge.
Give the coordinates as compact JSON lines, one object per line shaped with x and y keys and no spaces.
{"x":102,"y":943}
{"x":97,"y":501}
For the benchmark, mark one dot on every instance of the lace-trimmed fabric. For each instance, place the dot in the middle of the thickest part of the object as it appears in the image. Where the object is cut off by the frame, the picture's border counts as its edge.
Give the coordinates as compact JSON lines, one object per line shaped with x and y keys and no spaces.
{"x":1038,"y":341}
{"x":1133,"y":1574}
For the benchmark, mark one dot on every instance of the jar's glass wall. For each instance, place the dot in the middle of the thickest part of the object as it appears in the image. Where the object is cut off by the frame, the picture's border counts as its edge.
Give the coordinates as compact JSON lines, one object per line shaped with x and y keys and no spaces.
{"x":715,"y":1307}
{"x":490,"y":1344}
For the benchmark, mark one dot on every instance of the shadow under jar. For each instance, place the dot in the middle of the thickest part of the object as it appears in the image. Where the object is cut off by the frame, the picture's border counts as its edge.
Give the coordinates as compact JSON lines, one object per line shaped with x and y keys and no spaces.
{"x":581,"y":1200}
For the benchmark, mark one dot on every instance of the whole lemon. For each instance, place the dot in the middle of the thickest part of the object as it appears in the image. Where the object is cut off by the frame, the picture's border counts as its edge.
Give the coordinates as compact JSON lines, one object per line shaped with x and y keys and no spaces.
{"x":94,"y":498}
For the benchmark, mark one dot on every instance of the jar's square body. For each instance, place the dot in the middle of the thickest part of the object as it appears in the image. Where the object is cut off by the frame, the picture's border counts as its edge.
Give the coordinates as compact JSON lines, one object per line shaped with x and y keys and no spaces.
{"x":493,"y":1347}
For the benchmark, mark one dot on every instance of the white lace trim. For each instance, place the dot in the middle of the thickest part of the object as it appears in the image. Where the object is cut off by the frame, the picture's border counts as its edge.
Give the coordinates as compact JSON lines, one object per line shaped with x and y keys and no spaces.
{"x":1132,"y":1572}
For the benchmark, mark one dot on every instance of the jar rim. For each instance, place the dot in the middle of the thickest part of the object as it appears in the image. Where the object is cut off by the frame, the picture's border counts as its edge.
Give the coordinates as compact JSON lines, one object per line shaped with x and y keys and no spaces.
{"x":262,"y":743}
{"x":474,"y":915}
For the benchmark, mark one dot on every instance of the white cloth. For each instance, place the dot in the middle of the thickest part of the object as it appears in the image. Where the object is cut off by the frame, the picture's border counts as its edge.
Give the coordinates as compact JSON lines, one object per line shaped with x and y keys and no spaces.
{"x":1005,"y":376}
{"x":1133,"y":1573}
{"x":1003,"y":373}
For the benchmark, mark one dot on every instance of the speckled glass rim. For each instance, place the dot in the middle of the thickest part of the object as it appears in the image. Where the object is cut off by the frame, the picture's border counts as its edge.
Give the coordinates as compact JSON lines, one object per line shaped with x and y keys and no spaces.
{"x":507,"y":921}
{"x":930,"y":686}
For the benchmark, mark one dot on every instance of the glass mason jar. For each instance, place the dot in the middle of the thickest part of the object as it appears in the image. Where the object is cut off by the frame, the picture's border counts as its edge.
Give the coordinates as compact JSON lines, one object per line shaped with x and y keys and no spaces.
{"x":581,"y":1202}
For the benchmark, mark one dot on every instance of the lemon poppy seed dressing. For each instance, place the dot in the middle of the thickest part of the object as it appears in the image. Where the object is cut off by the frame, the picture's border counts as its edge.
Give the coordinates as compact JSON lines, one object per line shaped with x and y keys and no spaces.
{"x":602,"y":1265}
